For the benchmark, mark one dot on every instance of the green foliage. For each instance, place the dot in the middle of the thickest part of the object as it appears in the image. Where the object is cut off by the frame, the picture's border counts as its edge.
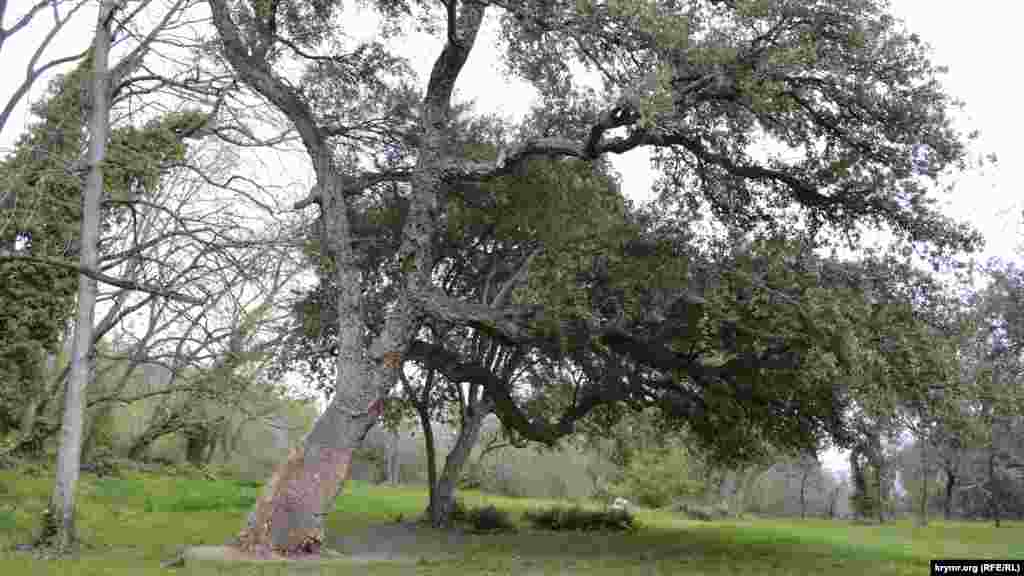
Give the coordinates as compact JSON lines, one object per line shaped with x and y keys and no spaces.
{"x":39,"y":299}
{"x":138,"y":157}
{"x":580,"y":519}
{"x":189,"y":495}
{"x":44,"y":221}
{"x":654,"y":478}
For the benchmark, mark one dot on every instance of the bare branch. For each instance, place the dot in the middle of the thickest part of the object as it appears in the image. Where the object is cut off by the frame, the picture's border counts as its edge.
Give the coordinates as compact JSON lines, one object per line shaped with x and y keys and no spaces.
{"x":32,"y":73}
{"x":101,"y":277}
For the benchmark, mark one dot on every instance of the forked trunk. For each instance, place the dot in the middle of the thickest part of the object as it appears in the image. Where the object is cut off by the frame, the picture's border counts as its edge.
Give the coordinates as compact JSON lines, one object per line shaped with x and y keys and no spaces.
{"x":288,"y":518}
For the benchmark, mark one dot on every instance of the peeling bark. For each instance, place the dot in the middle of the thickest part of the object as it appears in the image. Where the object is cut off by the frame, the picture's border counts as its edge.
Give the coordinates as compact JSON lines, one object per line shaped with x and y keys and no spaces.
{"x":288,"y":518}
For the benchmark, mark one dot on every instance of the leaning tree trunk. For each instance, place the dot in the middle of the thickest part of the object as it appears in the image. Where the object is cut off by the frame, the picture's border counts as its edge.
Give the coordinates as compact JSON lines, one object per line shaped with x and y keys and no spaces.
{"x":59,"y":522}
{"x":288,"y":517}
{"x":443,"y":502}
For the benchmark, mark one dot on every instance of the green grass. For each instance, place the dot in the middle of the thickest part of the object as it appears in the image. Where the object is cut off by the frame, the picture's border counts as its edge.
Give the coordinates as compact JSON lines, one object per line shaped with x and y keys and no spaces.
{"x":130,"y":524}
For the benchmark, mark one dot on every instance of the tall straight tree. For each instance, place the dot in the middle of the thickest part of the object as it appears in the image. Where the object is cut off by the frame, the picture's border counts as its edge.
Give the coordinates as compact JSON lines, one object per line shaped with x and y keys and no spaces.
{"x":60,"y":525}
{"x":839,"y":87}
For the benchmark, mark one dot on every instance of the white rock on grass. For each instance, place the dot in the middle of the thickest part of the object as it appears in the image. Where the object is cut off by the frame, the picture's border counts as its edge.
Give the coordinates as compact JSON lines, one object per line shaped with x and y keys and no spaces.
{"x":621,"y":503}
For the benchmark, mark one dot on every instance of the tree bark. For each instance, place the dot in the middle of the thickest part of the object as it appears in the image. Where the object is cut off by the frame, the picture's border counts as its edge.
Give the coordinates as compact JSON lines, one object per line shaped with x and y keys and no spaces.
{"x":441,"y":507}
{"x":288,"y":518}
{"x":947,"y":502}
{"x":993,"y":483}
{"x":924,"y":482}
{"x":428,"y":443}
{"x":803,"y":493}
{"x":393,"y":459}
{"x":59,"y":523}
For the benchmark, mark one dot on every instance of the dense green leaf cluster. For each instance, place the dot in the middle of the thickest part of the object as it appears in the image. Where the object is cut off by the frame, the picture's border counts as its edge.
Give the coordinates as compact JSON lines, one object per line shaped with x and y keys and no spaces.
{"x":44,"y":176}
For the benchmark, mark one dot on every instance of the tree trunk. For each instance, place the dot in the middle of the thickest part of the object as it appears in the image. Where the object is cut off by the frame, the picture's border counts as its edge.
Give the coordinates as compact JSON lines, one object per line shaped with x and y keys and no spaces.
{"x":924,"y":482}
{"x":881,"y":496}
{"x":881,"y":474}
{"x":288,"y":517}
{"x":393,"y":459}
{"x":59,"y":524}
{"x":947,"y":502}
{"x":803,"y":494}
{"x":441,"y":508}
{"x":431,"y":449}
{"x":993,"y":483}
{"x":197,"y":443}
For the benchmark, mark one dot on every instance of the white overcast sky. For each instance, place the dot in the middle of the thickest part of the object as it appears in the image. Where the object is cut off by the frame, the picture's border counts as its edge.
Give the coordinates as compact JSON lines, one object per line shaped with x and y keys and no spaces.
{"x":976,"y":40}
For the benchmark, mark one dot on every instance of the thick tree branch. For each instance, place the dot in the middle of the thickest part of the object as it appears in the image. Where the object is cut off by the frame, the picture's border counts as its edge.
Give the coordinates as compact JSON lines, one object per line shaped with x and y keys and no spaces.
{"x":355,"y":186}
{"x":436,"y":357}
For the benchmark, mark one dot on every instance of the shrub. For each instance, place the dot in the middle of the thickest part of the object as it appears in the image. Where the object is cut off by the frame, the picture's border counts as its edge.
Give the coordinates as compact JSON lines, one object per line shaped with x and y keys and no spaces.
{"x":656,"y":478}
{"x":489,"y":519}
{"x":459,"y":511}
{"x":577,"y":518}
{"x":695,"y":511}
{"x":102,"y":463}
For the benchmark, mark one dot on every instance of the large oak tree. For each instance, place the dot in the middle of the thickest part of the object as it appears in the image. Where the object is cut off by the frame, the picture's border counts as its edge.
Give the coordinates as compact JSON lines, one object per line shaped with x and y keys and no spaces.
{"x":773,"y":114}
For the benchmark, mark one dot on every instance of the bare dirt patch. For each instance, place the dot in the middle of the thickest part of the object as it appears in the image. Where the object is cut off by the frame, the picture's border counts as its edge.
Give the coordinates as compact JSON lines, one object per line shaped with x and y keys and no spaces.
{"x":396,"y":542}
{"x":400,"y":541}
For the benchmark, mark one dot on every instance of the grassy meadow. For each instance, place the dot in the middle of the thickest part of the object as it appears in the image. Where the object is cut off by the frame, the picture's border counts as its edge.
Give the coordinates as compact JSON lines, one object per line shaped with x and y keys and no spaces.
{"x":130,"y":524}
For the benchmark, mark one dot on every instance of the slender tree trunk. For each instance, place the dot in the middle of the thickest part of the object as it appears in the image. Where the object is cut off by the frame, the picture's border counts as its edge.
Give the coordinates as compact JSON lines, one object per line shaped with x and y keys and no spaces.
{"x":881,"y":474}
{"x":993,"y":493}
{"x":59,"y":523}
{"x":433,"y":502}
{"x":803,"y":494}
{"x":924,"y":482}
{"x":469,"y":434}
{"x":881,"y":499}
{"x":196,"y":447}
{"x":947,"y":502}
{"x":393,"y":459}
